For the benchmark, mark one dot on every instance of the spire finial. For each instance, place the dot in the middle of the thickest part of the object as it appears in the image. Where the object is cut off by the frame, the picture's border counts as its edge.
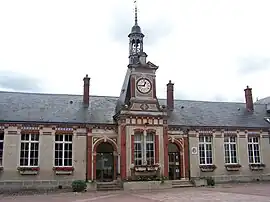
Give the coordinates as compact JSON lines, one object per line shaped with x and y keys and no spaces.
{"x":136,"y":12}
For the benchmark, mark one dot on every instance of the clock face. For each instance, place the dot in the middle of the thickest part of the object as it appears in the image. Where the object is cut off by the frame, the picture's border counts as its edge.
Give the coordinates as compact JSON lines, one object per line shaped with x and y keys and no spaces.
{"x":144,"y":85}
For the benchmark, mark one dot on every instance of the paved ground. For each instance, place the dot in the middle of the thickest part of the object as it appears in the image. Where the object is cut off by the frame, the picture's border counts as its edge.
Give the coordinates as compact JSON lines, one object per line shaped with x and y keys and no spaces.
{"x":231,"y":193}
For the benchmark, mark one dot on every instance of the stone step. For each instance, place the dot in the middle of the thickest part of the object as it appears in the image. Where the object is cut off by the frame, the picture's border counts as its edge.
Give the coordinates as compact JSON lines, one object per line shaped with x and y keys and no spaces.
{"x":181,"y":183}
{"x":108,"y":186}
{"x":109,"y":189}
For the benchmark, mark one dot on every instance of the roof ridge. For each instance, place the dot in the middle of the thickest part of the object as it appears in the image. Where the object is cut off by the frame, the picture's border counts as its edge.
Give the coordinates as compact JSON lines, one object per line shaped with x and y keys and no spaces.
{"x":111,"y":96}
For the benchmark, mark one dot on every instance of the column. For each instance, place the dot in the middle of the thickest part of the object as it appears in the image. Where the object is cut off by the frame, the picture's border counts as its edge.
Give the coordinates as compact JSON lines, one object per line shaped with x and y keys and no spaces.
{"x":165,"y":145}
{"x":123,"y":152}
{"x":144,"y":147}
{"x":186,"y":157}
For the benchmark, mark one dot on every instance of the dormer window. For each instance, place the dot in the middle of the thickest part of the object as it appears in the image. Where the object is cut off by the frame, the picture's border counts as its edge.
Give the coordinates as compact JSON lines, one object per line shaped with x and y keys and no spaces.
{"x":267,"y":119}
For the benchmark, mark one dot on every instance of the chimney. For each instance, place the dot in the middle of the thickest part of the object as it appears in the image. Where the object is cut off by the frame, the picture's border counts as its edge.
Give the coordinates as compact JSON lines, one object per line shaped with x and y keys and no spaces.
{"x":249,"y":100}
{"x":170,"y":96}
{"x":86,"y":83}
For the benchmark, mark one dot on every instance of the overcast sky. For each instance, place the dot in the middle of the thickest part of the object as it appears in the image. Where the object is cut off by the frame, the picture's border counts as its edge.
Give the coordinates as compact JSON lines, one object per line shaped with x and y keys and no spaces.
{"x":210,"y":49}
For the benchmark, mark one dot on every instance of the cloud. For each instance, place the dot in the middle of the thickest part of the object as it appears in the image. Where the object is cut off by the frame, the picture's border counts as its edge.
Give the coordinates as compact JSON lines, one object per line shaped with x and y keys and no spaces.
{"x":123,"y":20}
{"x":18,"y":82}
{"x":196,"y":44}
{"x":252,"y":65}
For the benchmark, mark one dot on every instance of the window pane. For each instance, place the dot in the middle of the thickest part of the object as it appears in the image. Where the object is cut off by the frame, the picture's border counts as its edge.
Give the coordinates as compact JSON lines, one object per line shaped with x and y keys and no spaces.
{"x":254,"y":150}
{"x":226,"y":139}
{"x":63,"y":150}
{"x":1,"y":147}
{"x":34,"y":137}
{"x":150,"y":137}
{"x":1,"y":136}
{"x":201,"y":138}
{"x":58,"y":137}
{"x":25,"y":137}
{"x":137,"y":137}
{"x":68,"y":138}
{"x":232,"y":139}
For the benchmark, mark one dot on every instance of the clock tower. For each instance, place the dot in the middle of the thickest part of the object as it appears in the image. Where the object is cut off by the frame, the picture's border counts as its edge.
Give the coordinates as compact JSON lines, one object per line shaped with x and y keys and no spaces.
{"x":138,"y":113}
{"x":139,"y":88}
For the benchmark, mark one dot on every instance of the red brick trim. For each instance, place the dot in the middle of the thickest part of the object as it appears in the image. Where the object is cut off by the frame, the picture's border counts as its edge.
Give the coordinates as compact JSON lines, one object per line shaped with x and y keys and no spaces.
{"x":62,"y":132}
{"x":230,"y":134}
{"x":29,"y":131}
{"x":156,"y":148}
{"x":185,"y":153}
{"x":150,"y":131}
{"x":123,"y":159}
{"x":205,"y":133}
{"x":254,"y":134}
{"x":138,"y":130}
{"x":180,"y":150}
{"x":165,"y":147}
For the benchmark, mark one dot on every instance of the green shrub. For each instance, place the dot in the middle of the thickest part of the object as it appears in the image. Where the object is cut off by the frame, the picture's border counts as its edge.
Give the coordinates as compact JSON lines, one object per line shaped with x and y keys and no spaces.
{"x":162,"y":179}
{"x":210,"y":181}
{"x":79,"y":185}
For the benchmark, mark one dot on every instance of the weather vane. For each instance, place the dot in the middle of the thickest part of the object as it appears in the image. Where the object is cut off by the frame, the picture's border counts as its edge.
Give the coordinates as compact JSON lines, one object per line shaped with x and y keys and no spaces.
{"x":136,"y":12}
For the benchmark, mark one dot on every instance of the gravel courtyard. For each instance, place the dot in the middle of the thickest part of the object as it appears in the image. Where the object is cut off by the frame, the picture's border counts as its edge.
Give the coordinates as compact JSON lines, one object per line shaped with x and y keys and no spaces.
{"x":235,"y":192}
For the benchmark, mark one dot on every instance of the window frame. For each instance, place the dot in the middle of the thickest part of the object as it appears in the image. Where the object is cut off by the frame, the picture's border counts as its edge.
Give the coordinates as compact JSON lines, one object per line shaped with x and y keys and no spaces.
{"x":29,"y":142}
{"x":2,"y":142}
{"x":141,"y":150}
{"x":230,"y":145}
{"x":147,"y":150}
{"x":204,"y":143}
{"x":63,"y":142}
{"x":144,"y":141}
{"x":252,"y":143}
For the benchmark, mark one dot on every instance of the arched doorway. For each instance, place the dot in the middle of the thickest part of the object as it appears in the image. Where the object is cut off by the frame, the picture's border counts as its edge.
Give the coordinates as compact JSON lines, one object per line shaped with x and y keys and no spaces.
{"x":174,"y":162}
{"x":105,"y":162}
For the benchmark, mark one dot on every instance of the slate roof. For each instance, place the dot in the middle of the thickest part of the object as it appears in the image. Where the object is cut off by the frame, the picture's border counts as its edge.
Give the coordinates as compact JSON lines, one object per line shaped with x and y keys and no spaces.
{"x":265,"y":100}
{"x":124,"y":94}
{"x":35,"y":107}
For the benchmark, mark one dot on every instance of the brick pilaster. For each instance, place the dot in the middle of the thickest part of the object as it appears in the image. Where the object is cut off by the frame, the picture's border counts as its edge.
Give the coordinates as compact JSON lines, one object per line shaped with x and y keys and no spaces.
{"x":123,"y":160}
{"x":165,"y":145}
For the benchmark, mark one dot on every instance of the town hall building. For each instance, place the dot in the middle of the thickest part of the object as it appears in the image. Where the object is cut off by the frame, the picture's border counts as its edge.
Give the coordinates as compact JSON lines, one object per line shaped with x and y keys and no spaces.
{"x":57,"y":138}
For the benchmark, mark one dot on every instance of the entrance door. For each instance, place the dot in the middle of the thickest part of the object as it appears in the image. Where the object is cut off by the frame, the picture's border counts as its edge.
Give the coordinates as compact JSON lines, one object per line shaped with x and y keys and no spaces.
{"x":105,"y":162}
{"x":174,"y":162}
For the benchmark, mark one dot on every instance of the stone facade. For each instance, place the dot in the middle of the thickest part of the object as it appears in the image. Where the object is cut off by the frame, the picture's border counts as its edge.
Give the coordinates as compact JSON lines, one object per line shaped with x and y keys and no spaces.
{"x":223,"y":174}
{"x":51,"y":140}
{"x":42,"y":174}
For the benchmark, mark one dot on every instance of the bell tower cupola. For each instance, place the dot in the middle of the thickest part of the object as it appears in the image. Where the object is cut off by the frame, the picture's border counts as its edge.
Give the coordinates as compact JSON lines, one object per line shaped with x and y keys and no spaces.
{"x":135,"y":41}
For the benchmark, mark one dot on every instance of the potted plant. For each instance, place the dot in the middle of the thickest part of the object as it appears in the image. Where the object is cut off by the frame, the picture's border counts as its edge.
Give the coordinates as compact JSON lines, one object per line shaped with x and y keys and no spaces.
{"x":63,"y":170}
{"x":25,"y":170}
{"x":256,"y":166}
{"x":233,"y":167}
{"x":208,"y":168}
